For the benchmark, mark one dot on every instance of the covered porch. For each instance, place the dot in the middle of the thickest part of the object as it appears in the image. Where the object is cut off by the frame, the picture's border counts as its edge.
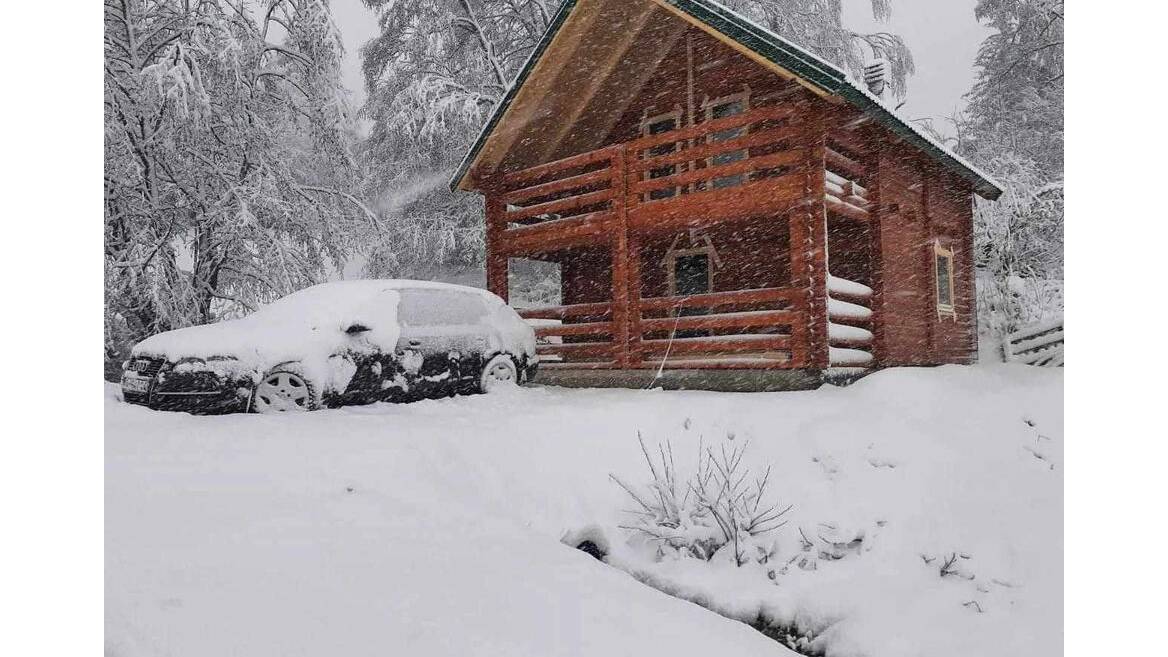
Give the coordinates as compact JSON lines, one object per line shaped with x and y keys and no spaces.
{"x":699,"y":249}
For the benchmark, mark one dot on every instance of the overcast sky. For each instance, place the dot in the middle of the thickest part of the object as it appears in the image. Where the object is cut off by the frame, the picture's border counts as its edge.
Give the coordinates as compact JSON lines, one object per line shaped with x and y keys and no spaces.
{"x":942,"y":35}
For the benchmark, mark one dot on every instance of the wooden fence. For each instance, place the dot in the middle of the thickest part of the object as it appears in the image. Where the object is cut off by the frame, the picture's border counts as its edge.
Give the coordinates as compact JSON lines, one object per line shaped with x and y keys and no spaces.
{"x":1038,"y":344}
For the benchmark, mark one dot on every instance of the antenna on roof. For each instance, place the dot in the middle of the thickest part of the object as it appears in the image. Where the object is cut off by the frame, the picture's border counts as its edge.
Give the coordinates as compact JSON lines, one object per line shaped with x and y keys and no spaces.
{"x":875,"y":77}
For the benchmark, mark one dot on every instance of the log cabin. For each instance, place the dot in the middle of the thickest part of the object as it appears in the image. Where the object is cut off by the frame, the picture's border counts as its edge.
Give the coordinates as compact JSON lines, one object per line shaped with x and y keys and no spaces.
{"x":726,"y":210}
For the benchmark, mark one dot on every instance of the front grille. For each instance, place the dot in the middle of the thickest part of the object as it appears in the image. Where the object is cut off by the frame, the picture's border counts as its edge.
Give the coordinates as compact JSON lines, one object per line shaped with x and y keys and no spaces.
{"x":146,"y":367}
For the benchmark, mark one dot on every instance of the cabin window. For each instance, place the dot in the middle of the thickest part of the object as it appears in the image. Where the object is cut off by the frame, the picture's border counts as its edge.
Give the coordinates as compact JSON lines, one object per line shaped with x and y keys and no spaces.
{"x":655,"y":126}
{"x":690,"y":268}
{"x":691,"y":272}
{"x":943,"y":265}
{"x":720,"y":109}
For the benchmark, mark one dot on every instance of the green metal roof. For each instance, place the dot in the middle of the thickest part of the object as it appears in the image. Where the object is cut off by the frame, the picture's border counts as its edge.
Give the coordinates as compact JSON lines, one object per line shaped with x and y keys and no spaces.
{"x":809,"y":67}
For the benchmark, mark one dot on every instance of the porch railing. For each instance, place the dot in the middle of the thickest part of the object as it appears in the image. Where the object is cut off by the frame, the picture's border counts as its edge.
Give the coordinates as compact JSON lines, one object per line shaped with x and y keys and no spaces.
{"x":730,"y":165}
{"x":584,"y":334}
{"x":755,"y":329}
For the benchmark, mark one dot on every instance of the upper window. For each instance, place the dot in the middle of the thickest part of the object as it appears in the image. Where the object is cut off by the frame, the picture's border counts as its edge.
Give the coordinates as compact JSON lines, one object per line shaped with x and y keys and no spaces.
{"x":656,"y":126}
{"x":943,"y":261}
{"x":440,"y":308}
{"x":720,"y":109}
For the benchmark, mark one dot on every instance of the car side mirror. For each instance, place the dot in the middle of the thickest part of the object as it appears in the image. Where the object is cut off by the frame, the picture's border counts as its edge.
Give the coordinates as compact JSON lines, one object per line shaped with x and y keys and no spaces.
{"x":357,"y":329}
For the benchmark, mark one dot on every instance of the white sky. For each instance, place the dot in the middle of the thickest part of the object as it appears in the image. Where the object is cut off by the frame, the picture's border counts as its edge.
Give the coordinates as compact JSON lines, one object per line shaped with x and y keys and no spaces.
{"x":942,"y":35}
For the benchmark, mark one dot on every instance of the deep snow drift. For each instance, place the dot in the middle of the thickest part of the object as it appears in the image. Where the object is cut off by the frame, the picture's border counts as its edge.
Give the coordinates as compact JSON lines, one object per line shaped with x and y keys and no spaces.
{"x":434,"y":528}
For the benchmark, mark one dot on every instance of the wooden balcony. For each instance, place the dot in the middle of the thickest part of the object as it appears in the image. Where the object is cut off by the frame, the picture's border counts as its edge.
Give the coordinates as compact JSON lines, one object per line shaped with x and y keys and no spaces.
{"x":719,"y":170}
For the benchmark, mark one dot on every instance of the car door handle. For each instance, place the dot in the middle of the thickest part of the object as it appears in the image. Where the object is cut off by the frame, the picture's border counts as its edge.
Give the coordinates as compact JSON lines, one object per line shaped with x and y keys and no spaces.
{"x":414,"y":343}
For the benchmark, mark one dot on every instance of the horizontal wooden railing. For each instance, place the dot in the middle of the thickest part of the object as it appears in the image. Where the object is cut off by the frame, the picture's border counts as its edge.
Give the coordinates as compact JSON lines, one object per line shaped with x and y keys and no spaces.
{"x":587,"y":327}
{"x":742,"y":329}
{"x":756,"y":329}
{"x":573,"y":200}
{"x":716,"y":158}
{"x":735,"y":164}
{"x":1038,"y":344}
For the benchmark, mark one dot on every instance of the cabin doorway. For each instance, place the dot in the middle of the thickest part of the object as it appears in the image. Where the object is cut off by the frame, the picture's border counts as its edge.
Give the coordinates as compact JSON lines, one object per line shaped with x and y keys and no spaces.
{"x":691,"y":274}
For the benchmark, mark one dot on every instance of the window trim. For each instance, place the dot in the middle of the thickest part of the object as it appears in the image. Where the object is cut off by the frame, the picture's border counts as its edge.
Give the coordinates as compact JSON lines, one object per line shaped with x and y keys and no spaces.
{"x":950,"y":309}
{"x":706,"y":248}
{"x":708,"y":105}
{"x":676,"y":115}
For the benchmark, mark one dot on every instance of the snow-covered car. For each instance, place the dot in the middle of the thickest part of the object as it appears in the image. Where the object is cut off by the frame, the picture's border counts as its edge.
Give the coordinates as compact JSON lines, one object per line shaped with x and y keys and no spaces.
{"x":336,"y":344}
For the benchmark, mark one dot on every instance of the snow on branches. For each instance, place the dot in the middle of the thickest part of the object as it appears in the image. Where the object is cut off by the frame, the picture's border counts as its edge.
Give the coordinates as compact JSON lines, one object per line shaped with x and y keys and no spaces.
{"x":817,"y":25}
{"x":229,"y":174}
{"x":1013,"y":128}
{"x":720,"y":509}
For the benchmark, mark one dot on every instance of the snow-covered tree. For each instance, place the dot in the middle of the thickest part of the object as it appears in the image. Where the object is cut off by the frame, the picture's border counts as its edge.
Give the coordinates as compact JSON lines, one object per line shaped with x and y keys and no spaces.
{"x":229,"y":178}
{"x":433,"y":75}
{"x":1013,"y":128}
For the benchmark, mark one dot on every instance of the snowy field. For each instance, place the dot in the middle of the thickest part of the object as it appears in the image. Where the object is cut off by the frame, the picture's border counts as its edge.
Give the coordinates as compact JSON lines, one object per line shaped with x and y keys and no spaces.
{"x":932,"y":500}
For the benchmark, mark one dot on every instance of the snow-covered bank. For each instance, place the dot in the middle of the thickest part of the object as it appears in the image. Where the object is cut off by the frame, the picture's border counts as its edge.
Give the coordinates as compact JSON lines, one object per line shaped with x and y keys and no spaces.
{"x":433,"y":528}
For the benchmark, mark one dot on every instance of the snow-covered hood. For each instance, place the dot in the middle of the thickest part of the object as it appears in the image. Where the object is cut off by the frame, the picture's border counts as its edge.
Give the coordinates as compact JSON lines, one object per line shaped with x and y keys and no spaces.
{"x":307,"y":327}
{"x":244,"y":339}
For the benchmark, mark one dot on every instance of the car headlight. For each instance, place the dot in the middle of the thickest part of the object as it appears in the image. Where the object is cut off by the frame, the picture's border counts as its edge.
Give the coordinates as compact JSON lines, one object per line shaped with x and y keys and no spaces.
{"x":125,"y":365}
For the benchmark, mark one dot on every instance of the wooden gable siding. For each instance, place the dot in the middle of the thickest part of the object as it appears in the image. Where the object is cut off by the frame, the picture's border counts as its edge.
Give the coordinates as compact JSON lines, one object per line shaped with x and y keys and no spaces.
{"x":718,"y":72}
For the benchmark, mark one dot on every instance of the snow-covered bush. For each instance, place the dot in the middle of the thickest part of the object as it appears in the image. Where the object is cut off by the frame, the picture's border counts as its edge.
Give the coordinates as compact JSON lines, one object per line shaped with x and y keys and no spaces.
{"x":718,"y":511}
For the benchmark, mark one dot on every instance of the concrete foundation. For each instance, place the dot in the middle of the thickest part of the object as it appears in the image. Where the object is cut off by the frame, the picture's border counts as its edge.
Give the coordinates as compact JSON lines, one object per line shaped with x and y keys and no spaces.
{"x":682,"y":379}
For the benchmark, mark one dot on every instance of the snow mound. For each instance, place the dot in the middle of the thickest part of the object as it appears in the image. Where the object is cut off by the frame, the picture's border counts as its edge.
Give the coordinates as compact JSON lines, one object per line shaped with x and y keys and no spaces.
{"x":931,"y":500}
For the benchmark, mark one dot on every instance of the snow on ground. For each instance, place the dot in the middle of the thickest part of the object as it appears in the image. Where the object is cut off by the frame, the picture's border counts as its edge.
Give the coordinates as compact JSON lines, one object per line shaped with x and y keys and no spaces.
{"x":434,"y":528}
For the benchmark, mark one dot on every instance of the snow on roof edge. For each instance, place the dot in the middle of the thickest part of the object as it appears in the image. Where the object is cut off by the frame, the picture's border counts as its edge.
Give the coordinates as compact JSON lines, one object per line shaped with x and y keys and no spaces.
{"x":926,"y":136}
{"x":747,"y":24}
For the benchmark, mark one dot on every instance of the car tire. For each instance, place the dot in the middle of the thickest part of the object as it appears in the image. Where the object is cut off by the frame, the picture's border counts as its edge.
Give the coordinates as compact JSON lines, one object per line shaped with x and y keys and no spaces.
{"x":500,"y":372}
{"x":284,"y":389}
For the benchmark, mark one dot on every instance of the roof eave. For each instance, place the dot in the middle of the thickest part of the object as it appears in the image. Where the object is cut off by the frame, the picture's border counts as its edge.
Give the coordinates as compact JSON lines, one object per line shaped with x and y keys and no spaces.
{"x":982,"y":183}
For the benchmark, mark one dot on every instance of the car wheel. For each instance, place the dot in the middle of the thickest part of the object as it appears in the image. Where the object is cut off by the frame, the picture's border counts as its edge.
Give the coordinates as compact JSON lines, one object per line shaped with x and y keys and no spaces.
{"x":283,"y":391}
{"x":499,"y":373}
